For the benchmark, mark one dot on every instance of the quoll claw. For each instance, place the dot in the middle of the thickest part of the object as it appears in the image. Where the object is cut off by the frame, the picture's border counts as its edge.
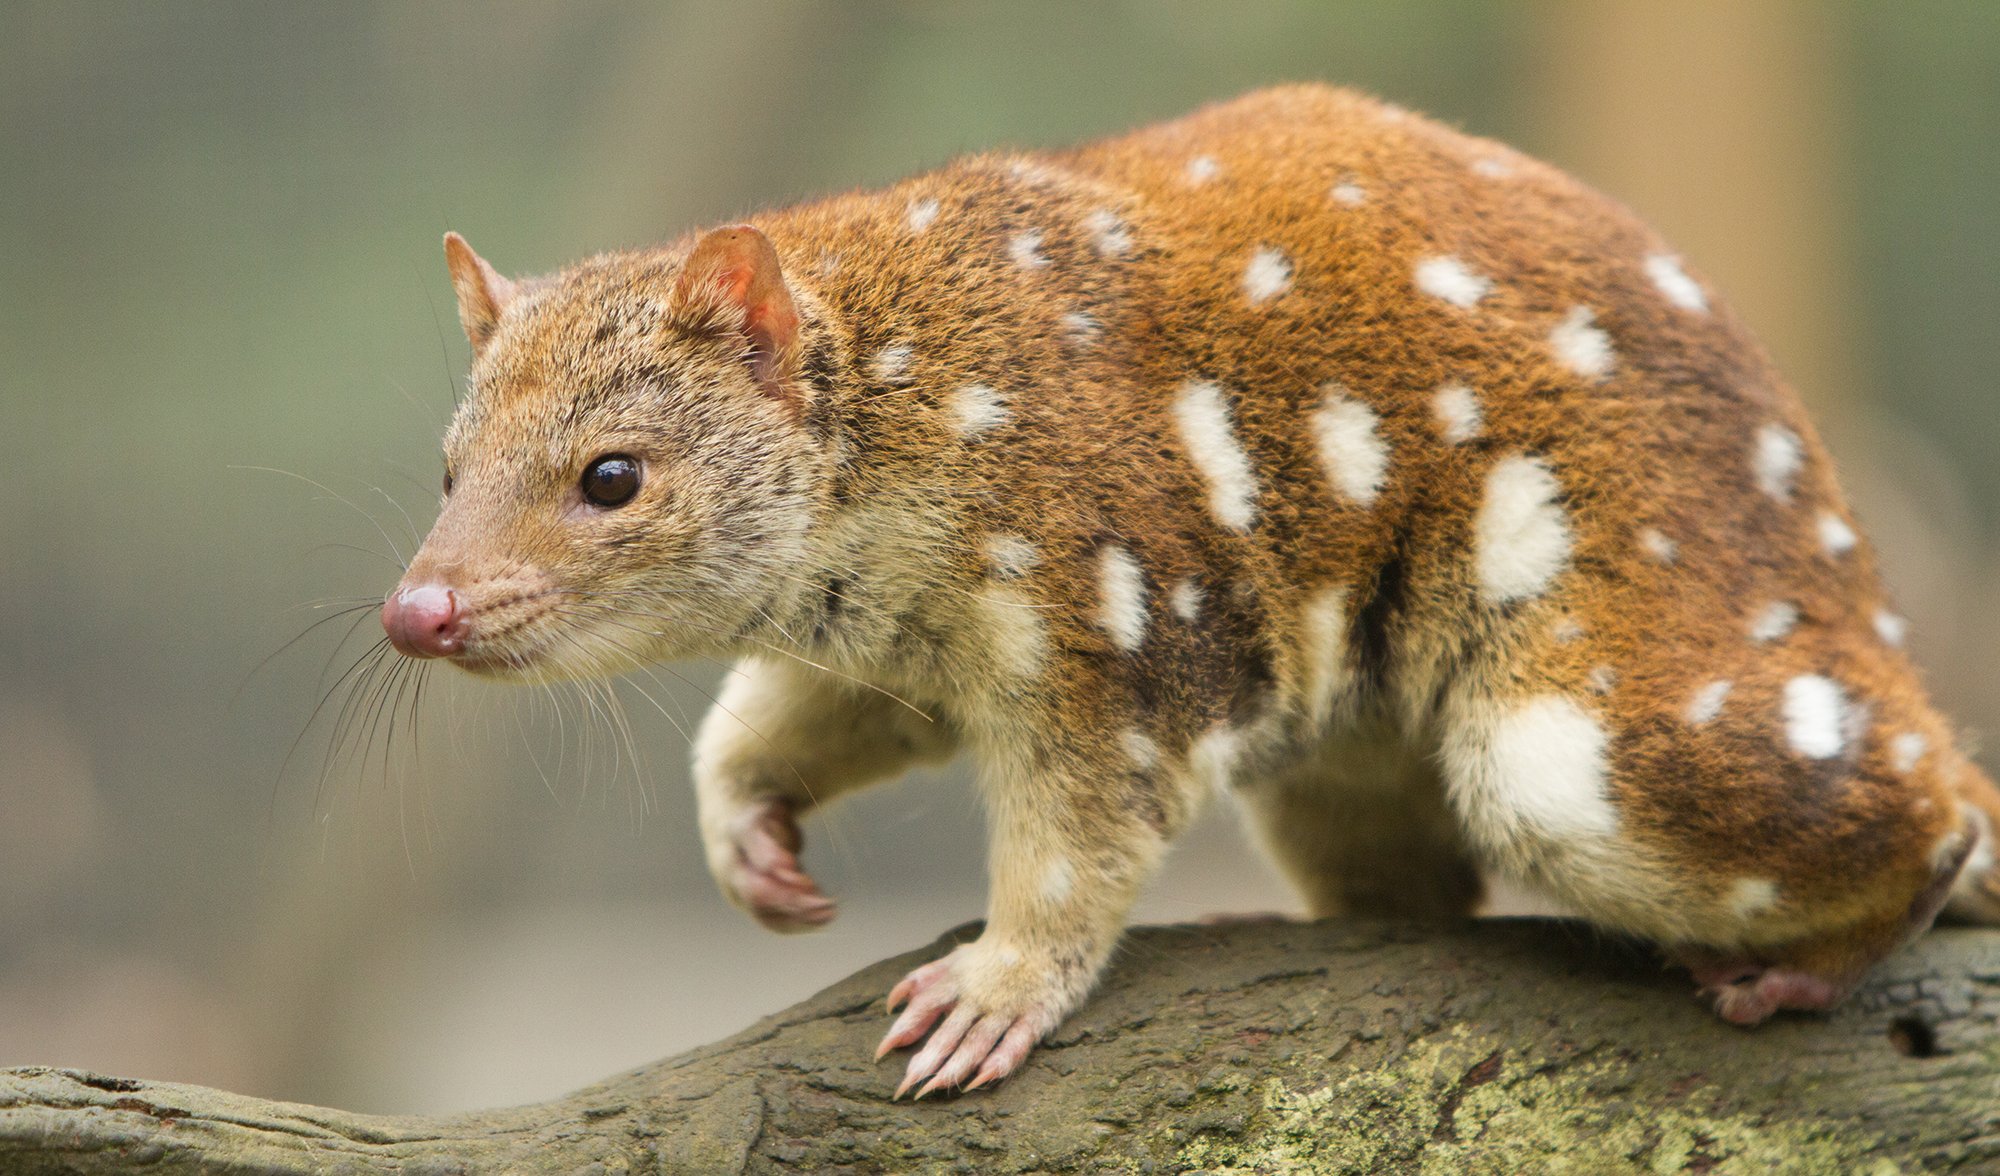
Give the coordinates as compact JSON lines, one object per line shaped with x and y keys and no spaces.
{"x":965,"y":1041}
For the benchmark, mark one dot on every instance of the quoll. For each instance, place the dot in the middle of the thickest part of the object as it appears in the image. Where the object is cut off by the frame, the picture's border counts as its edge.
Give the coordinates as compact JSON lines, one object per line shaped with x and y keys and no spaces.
{"x":1302,"y":450}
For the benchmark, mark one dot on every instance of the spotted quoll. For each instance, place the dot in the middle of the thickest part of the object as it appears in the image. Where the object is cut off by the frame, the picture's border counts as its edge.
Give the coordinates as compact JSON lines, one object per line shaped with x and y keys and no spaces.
{"x":1302,"y":450}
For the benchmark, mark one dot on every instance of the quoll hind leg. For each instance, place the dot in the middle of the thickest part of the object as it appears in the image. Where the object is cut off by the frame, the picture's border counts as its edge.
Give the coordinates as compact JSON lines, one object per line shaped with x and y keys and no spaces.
{"x":1362,"y":827}
{"x":1817,"y":973}
{"x":1777,"y":835}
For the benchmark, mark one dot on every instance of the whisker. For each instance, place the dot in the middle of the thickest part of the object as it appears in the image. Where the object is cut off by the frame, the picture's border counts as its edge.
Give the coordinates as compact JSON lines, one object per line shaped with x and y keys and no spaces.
{"x":308,"y":631}
{"x":367,"y":658}
{"x":338,"y":497}
{"x":416,"y":536}
{"x":765,"y":645}
{"x":444,"y":348}
{"x":804,"y":786}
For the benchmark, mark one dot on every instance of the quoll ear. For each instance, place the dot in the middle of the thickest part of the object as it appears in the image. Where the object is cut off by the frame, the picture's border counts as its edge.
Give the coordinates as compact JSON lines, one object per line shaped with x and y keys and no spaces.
{"x":482,"y":293}
{"x":736,"y":269}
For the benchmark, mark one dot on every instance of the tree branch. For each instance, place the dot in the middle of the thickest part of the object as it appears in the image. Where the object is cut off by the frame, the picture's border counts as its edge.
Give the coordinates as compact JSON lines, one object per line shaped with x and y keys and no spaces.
{"x":1358,"y":1047}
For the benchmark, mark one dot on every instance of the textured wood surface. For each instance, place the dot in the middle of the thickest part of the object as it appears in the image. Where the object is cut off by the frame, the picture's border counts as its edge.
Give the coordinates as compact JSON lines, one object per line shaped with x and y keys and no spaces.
{"x":1361,"y":1047}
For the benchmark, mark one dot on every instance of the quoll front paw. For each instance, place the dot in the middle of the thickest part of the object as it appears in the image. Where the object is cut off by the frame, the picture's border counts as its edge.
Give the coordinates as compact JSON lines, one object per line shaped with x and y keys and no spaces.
{"x":988,"y":1008}
{"x":758,"y":868}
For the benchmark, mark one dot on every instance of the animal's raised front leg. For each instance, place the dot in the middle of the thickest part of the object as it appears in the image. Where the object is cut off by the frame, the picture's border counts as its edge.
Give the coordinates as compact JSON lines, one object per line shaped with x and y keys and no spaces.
{"x":1073,"y":837}
{"x":780,"y":740}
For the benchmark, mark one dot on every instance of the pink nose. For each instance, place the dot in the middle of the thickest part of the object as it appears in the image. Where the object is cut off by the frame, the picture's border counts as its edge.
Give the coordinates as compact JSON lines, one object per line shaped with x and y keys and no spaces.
{"x":424,"y":621}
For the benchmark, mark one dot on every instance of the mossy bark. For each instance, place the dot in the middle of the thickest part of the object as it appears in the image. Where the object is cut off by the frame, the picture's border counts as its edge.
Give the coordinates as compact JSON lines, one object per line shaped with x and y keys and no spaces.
{"x":1358,"y":1047}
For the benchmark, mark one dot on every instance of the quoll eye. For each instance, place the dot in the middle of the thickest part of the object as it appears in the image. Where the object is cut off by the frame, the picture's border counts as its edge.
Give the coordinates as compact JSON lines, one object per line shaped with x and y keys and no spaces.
{"x":611,"y":481}
{"x":447,"y":482}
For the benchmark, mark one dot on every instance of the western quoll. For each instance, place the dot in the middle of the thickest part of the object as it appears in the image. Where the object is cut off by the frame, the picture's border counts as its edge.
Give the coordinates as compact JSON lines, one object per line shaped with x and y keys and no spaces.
{"x":1301,"y":449}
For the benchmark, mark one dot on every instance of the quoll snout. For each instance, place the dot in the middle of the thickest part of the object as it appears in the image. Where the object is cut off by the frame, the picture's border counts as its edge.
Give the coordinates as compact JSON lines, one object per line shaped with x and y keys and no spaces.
{"x":425,"y":620}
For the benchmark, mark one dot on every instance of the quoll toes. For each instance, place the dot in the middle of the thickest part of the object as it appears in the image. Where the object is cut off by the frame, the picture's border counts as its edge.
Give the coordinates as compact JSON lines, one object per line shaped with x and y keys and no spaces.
{"x":1755,"y":995}
{"x":923,"y":996}
{"x":1746,"y":991}
{"x":767,"y":879}
{"x":969,"y":1046}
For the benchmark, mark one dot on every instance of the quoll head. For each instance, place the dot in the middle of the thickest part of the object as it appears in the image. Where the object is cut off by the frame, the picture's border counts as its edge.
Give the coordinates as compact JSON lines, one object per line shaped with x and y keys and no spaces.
{"x":629,"y":476}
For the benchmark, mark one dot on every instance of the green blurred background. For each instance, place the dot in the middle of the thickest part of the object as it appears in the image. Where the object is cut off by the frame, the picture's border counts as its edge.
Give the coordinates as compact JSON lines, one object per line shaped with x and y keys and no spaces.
{"x":219,"y":237}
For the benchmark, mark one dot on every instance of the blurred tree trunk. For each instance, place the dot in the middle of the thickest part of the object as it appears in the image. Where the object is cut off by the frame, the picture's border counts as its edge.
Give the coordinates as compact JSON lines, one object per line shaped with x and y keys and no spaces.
{"x":1360,"y":1047}
{"x":1722,"y":123}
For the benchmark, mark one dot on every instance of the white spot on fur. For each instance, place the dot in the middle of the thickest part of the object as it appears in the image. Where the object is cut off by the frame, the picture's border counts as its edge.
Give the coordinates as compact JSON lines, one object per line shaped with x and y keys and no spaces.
{"x":977,"y":410}
{"x":1539,"y":772}
{"x":1776,"y":458}
{"x":1011,"y":556}
{"x":1603,"y":679}
{"x":1185,"y":599}
{"x":1350,"y":193}
{"x":1656,"y":544}
{"x":1202,"y":168}
{"x":1707,"y":702}
{"x":1202,"y":412}
{"x":1565,"y":630}
{"x":1140,"y":749}
{"x":1449,"y":279}
{"x":1773,"y":621}
{"x":1121,"y":595}
{"x":1907,"y":749}
{"x":1891,"y":628}
{"x":1324,"y":621}
{"x":892,"y":364}
{"x":1080,"y":327}
{"x":1350,"y":449}
{"x":1110,"y":234}
{"x":1213,"y":758}
{"x":1457,"y":413}
{"x":1492,"y":168}
{"x":1581,"y":345}
{"x":1034,"y":171}
{"x":1751,"y":897}
{"x":1025,"y":249}
{"x":1268,"y":275}
{"x":1835,"y":535}
{"x":922,"y":213}
{"x":1673,"y":281}
{"x":1815,"y":711}
{"x":1016,"y":636}
{"x":1058,"y":880}
{"x":1521,"y":540}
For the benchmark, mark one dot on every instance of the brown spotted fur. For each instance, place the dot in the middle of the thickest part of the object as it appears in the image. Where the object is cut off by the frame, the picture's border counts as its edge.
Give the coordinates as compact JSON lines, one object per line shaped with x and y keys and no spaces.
{"x":840,"y":523}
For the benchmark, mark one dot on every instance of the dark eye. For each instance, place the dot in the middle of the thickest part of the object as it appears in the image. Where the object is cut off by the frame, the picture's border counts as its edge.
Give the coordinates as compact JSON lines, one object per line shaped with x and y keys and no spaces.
{"x":447,"y":482}
{"x":611,"y":481}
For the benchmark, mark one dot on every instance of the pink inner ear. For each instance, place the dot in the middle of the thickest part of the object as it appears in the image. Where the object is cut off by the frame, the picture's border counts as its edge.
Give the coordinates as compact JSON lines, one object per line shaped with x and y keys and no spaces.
{"x":741,"y":268}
